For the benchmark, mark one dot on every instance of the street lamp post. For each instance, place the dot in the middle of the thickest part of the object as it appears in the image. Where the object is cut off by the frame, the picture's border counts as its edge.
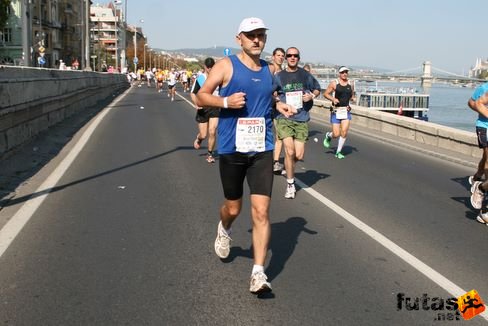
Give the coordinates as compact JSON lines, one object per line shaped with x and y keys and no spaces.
{"x":135,"y":46}
{"x":135,"y":49}
{"x":116,"y":46}
{"x":117,"y":3}
{"x":26,"y":33}
{"x":124,"y":50}
{"x":145,"y":56}
{"x":87,"y":34}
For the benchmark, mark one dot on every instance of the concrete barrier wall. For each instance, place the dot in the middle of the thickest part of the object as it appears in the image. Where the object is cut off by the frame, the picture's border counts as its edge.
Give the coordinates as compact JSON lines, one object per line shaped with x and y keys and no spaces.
{"x":32,"y":100}
{"x":422,"y":132}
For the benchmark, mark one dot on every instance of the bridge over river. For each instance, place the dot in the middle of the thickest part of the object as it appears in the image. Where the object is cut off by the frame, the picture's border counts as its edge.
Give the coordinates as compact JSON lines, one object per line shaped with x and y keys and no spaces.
{"x":425,"y":73}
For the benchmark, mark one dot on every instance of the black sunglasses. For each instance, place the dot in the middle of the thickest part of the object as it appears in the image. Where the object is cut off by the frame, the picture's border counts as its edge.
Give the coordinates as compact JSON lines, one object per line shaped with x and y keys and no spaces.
{"x":289,"y":55}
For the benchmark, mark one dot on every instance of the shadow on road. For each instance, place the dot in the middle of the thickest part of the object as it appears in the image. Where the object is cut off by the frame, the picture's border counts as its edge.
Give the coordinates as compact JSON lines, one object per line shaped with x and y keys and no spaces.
{"x":311,"y":177}
{"x":284,"y":239}
{"x":17,"y":200}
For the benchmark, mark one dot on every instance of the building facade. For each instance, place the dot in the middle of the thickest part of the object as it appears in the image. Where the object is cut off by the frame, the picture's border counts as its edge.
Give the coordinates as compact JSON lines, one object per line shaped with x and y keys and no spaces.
{"x":40,"y":33}
{"x":480,"y":69}
{"x":11,"y":36}
{"x":106,"y":35}
{"x":75,"y":33}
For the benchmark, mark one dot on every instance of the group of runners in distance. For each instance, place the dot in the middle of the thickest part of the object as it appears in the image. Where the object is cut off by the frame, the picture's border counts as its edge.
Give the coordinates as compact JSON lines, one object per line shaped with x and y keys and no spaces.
{"x":159,"y":77}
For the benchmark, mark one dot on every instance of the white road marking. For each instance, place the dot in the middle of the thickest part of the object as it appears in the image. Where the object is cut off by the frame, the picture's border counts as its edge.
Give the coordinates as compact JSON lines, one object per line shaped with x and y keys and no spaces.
{"x":187,"y":101}
{"x":423,"y":268}
{"x":13,"y":227}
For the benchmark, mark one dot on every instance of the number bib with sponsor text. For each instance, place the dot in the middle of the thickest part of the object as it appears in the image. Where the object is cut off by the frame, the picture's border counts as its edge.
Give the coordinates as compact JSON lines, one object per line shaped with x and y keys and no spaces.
{"x":250,"y":135}
{"x":341,"y":113}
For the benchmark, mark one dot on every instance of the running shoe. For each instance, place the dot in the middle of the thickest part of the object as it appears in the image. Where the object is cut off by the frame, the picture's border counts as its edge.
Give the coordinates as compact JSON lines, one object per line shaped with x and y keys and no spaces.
{"x":290,"y":191}
{"x":327,"y":140}
{"x":477,"y":195}
{"x":339,"y":155}
{"x":222,"y":242}
{"x":482,"y":218}
{"x":472,"y":179}
{"x":259,"y":283}
{"x":277,"y":168}
{"x":172,"y":99}
{"x":210,"y":158}
{"x":197,"y":143}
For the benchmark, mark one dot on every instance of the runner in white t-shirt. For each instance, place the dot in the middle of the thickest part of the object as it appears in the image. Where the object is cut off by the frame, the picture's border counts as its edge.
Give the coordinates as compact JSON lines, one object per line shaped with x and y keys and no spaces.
{"x":172,"y":77}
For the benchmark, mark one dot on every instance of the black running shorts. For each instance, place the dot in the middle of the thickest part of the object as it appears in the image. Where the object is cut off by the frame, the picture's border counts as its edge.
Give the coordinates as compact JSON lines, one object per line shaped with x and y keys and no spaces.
{"x":482,"y":139}
{"x":204,"y":114}
{"x":258,"y":168}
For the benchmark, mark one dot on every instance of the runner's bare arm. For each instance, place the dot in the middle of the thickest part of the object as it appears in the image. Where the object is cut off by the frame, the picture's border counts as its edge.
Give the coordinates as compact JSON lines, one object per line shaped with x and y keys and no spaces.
{"x":285,"y":109}
{"x":328,"y":92}
{"x":219,"y":76}
{"x":194,"y":100}
{"x":480,"y":105}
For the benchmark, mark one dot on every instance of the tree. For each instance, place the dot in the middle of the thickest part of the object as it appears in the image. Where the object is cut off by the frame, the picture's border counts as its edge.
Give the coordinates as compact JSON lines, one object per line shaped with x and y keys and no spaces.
{"x":4,"y":4}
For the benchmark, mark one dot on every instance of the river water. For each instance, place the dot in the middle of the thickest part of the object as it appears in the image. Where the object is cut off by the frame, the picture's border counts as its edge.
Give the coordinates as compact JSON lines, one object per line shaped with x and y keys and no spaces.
{"x":447,"y":104}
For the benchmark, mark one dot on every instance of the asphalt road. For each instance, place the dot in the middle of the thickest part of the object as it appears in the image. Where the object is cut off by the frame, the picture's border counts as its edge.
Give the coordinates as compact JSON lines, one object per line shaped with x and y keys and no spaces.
{"x":125,"y":237}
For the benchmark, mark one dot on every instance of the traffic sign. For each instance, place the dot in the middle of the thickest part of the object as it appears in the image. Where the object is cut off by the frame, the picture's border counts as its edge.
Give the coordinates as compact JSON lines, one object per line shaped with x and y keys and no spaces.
{"x":41,"y":60}
{"x":136,"y":60}
{"x":93,"y":56}
{"x":226,"y":52}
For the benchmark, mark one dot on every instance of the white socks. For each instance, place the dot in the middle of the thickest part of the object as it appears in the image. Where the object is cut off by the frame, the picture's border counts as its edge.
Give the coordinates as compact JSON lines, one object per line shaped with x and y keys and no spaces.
{"x":257,"y":268}
{"x":340,"y":144}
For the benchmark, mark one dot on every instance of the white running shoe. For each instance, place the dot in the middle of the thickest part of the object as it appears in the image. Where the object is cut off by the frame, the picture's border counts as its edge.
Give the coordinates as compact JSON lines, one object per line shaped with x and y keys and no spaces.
{"x":472,"y":179}
{"x":277,"y":168}
{"x":290,"y":191}
{"x":477,"y":195}
{"x":259,"y":283}
{"x":482,"y":218}
{"x":222,"y":242}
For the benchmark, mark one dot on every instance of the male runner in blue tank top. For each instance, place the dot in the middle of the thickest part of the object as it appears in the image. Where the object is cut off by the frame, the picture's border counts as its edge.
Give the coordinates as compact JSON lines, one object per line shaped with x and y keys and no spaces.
{"x":246,"y":140}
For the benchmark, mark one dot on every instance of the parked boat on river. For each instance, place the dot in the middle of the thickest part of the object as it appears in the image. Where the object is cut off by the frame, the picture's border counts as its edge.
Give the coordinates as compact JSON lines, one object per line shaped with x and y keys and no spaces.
{"x":406,"y":101}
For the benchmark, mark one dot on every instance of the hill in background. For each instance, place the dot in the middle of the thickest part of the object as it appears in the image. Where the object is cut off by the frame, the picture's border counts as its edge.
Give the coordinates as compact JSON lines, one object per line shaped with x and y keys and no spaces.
{"x":218,"y":52}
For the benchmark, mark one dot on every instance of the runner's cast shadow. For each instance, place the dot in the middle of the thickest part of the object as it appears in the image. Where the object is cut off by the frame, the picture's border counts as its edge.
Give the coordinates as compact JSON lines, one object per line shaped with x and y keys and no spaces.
{"x":346,"y":150}
{"x":311,"y":177}
{"x":463,"y":181}
{"x":466,"y":201}
{"x":284,"y":239}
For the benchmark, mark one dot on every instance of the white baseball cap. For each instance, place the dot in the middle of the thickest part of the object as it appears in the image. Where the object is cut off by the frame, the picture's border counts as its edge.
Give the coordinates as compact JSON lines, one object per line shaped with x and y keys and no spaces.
{"x":343,"y":68}
{"x":251,"y":24}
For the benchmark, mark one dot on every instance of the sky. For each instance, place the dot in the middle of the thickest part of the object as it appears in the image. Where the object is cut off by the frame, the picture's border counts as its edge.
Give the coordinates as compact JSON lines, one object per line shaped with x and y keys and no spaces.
{"x":388,"y":34}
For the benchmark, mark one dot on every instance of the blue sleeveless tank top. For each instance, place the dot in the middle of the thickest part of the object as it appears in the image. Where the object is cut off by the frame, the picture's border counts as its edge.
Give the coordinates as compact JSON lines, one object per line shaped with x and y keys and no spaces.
{"x":479,"y":91}
{"x":258,"y":86}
